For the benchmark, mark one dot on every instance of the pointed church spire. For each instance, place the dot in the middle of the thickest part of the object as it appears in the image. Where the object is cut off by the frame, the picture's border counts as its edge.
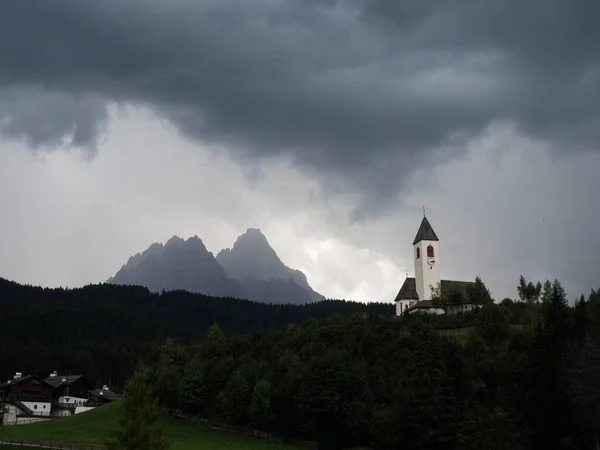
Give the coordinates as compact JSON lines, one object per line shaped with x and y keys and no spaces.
{"x":425,"y":232}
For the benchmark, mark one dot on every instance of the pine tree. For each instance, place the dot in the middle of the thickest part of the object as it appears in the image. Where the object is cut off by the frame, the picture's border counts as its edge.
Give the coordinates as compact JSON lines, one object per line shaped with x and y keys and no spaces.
{"x":478,"y":293}
{"x":584,"y":391}
{"x":547,"y":383}
{"x":492,"y":324}
{"x":140,"y":412}
{"x":215,"y":344}
{"x":556,"y":315}
{"x":234,"y":399}
{"x":581,"y":319}
{"x":489,"y":430}
{"x":530,"y":294}
{"x":431,"y":421}
{"x":259,"y":411}
{"x":167,"y":374}
{"x":193,"y":389}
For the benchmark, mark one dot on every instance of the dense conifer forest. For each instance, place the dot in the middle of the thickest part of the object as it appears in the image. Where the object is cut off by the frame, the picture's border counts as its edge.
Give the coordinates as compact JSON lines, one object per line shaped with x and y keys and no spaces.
{"x":375,"y":381}
{"x":524,"y":375}
{"x":103,"y":330}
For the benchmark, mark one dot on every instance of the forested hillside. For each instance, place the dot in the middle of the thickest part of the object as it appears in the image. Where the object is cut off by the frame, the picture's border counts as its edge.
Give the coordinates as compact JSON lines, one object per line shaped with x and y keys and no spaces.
{"x":385,"y":383}
{"x":102,"y":330}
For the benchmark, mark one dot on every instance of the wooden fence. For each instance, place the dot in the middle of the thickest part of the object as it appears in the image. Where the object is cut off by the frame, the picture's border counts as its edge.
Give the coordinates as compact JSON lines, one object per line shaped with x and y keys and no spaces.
{"x":48,"y":445}
{"x":239,"y":430}
{"x":454,"y":331}
{"x":466,"y":330}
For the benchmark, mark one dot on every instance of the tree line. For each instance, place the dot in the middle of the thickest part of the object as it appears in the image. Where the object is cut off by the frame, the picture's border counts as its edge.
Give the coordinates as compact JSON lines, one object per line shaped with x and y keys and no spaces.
{"x":102,"y":330}
{"x":380,"y":382}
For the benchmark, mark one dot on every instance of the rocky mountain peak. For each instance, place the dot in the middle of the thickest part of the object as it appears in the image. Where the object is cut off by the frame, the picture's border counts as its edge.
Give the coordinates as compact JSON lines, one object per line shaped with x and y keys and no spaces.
{"x":253,"y":258}
{"x":250,"y":269}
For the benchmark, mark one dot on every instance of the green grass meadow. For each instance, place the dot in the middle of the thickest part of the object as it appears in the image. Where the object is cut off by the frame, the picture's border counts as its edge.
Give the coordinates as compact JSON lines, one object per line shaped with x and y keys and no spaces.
{"x":95,"y":426}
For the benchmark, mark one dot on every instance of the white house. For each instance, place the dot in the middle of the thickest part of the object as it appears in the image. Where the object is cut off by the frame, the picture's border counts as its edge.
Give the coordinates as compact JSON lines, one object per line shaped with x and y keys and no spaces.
{"x":415,"y":293}
{"x":28,"y":396}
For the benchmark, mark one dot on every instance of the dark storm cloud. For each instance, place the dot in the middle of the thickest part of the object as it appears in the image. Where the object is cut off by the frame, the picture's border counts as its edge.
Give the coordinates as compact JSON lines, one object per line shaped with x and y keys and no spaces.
{"x":44,"y":119}
{"x":363,"y":89}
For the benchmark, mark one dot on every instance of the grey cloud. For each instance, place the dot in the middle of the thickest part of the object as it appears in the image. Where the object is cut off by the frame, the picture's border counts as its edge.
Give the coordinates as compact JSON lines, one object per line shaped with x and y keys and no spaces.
{"x":52,"y":119}
{"x":359,"y":91}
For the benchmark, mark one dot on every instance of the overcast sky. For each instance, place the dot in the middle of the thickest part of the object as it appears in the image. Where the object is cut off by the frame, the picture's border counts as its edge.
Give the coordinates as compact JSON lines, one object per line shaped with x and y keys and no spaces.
{"x":328,"y":124}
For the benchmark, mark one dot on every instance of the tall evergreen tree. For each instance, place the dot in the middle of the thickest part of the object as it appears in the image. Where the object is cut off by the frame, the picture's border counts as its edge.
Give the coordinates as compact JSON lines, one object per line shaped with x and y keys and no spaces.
{"x":584,"y":392}
{"x":259,"y":411}
{"x":489,"y":430}
{"x":193,"y":389}
{"x":581,"y":320}
{"x":478,"y":293}
{"x":215,"y":344}
{"x":167,"y":374}
{"x":432,"y":410}
{"x":529,"y":293}
{"x":492,"y":324}
{"x":234,"y":399}
{"x":140,"y":412}
{"x":547,"y":384}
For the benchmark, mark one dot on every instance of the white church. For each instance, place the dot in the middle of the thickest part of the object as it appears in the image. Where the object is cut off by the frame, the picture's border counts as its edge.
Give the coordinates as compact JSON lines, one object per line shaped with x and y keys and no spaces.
{"x":415,"y":294}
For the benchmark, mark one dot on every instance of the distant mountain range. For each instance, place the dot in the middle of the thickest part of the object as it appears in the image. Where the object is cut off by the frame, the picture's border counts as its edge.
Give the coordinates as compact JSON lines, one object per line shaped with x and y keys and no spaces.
{"x":250,"y":270}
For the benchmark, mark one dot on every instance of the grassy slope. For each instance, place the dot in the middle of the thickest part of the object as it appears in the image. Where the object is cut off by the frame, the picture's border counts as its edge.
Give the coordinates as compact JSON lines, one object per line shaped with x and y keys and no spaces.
{"x":95,"y":426}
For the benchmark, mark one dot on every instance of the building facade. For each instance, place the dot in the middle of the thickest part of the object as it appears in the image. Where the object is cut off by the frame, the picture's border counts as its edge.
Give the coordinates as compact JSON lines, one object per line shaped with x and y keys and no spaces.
{"x":26,"y":399}
{"x":416,"y":293}
{"x":26,"y":395}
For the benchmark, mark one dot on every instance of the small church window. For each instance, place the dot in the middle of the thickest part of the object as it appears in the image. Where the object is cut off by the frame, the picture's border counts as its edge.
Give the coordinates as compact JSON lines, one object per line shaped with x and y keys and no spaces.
{"x":418,"y":253}
{"x":430,"y":253}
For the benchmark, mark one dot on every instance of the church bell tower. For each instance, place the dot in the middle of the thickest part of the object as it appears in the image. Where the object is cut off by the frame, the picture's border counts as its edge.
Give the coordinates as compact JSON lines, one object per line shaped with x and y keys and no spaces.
{"x":427,"y":263}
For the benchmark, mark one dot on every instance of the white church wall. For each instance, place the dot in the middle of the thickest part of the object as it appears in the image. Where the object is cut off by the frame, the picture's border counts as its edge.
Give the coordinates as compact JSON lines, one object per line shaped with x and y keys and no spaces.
{"x":461,"y":308}
{"x":436,"y":311}
{"x":399,"y":308}
{"x":426,"y":276}
{"x":403,"y":305}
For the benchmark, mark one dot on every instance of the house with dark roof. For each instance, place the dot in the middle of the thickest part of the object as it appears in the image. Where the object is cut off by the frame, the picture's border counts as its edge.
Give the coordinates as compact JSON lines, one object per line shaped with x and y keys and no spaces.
{"x":416,"y":292}
{"x":68,"y":393}
{"x":99,"y":397}
{"x":24,"y":398}
{"x":69,"y":388}
{"x":27,"y":396}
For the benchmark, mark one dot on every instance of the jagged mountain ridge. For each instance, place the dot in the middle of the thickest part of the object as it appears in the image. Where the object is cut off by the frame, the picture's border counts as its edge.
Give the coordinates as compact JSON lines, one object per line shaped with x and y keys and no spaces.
{"x":251,"y":270}
{"x":178,"y":264}
{"x":252,"y":259}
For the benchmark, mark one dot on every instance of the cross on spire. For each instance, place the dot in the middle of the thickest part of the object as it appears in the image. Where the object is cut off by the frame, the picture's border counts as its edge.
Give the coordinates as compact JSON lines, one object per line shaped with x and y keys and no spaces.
{"x":423,"y":210}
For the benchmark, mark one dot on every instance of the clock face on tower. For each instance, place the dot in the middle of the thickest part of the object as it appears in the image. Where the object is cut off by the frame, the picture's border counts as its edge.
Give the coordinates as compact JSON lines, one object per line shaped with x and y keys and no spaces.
{"x":431,"y":262}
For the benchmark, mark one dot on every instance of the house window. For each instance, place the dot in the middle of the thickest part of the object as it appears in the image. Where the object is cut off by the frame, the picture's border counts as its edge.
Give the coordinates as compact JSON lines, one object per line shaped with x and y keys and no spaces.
{"x":34,"y":406}
{"x":430,"y":253}
{"x":418,"y":253}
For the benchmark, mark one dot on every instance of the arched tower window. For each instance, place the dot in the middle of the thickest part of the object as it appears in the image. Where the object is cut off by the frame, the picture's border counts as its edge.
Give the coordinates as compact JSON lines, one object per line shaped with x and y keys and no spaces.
{"x":430,"y":253}
{"x":418,"y":252}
